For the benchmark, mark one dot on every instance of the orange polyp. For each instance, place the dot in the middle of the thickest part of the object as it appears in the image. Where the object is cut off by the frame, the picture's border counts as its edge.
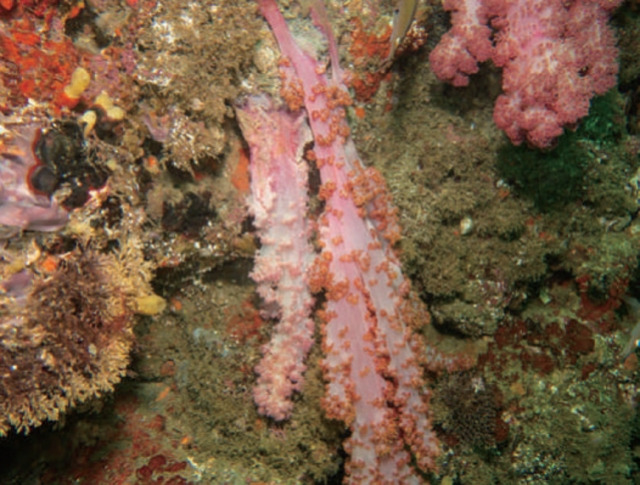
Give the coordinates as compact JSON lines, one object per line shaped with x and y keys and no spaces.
{"x":49,"y":264}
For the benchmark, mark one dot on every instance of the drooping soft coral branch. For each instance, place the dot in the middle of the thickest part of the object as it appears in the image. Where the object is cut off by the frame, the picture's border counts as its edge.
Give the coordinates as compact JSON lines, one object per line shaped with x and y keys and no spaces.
{"x":374,"y":381}
{"x":278,"y":203}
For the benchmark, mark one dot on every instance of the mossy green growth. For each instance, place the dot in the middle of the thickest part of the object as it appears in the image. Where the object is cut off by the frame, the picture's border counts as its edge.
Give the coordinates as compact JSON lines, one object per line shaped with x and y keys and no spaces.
{"x":605,"y":123}
{"x":550,"y":179}
{"x":555,"y":177}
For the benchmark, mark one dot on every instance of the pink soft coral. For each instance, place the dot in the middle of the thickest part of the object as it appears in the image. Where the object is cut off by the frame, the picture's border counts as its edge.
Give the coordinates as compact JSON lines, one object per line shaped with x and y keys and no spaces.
{"x":555,"y":56}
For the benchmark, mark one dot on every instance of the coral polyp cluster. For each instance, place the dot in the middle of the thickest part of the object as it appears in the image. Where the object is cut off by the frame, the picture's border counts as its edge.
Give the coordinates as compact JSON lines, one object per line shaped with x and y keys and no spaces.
{"x":65,"y":334}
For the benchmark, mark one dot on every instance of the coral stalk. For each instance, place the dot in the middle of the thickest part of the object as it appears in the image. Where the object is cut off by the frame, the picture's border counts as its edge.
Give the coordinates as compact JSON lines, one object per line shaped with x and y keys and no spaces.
{"x":279,"y":205}
{"x":374,"y":382}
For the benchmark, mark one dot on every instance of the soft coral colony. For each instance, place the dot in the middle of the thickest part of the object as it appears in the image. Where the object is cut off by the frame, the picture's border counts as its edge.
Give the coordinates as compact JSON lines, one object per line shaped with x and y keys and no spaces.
{"x":555,"y":57}
{"x":371,"y":361}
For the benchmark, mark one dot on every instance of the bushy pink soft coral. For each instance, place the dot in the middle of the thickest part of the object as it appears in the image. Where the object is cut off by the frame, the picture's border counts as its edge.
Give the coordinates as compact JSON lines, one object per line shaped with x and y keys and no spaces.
{"x":465,"y":45}
{"x":555,"y":56}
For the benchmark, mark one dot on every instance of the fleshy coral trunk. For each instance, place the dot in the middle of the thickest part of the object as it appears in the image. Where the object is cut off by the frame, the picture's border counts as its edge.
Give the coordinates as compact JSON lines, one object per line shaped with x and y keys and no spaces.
{"x":279,"y":206}
{"x":373,"y":378}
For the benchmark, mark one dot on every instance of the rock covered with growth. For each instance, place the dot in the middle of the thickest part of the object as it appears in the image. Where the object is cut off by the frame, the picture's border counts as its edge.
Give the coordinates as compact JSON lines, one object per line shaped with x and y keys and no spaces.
{"x":66,"y":331}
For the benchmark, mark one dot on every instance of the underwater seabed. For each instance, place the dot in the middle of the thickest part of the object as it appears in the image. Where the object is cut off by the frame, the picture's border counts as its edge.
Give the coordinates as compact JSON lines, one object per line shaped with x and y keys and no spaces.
{"x":153,"y":276}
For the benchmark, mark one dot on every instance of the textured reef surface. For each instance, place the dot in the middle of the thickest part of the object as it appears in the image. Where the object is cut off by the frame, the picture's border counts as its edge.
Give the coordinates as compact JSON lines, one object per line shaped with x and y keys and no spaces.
{"x":319,"y":242}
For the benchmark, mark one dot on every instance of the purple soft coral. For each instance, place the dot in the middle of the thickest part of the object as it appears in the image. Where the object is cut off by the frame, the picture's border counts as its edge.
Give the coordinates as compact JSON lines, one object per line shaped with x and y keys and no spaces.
{"x":20,"y":206}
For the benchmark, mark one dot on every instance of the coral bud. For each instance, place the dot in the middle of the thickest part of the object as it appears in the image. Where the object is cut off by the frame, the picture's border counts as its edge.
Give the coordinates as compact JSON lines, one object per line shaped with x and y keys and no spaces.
{"x":80,"y":79}
{"x":105,"y":102}
{"x":88,"y":119}
{"x":150,"y":304}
